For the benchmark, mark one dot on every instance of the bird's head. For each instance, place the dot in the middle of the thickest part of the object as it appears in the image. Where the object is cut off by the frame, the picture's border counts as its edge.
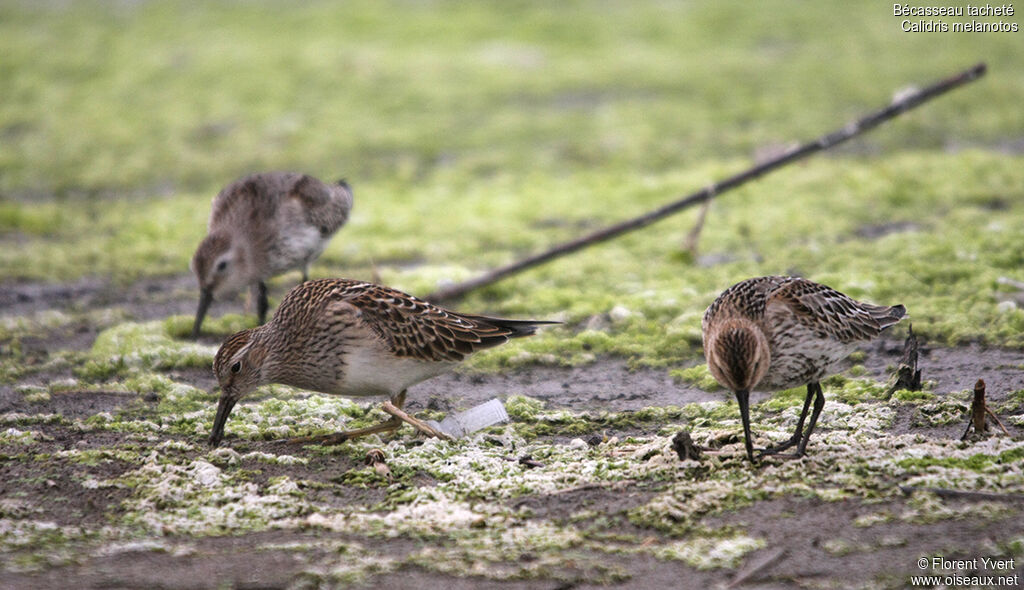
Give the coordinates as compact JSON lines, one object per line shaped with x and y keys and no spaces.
{"x":220,"y":266}
{"x":738,"y":354}
{"x":221,"y":270}
{"x":238,"y":367}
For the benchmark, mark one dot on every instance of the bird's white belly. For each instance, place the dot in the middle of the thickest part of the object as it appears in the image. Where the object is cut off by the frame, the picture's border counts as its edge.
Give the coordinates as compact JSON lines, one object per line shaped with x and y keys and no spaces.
{"x":801,"y":361}
{"x":295,"y":247}
{"x":373,"y":372}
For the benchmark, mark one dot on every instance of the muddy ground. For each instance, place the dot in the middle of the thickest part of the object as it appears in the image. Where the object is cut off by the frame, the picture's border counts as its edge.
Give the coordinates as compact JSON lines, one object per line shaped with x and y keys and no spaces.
{"x":884,"y":554}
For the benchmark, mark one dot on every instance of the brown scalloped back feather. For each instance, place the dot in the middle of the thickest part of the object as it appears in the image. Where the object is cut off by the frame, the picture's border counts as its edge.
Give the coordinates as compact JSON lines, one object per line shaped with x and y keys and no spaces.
{"x":822,"y":309}
{"x":409,"y":326}
{"x":808,"y":328}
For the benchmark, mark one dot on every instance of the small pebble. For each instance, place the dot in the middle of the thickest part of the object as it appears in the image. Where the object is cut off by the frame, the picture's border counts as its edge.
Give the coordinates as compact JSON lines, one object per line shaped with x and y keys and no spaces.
{"x":619,"y":314}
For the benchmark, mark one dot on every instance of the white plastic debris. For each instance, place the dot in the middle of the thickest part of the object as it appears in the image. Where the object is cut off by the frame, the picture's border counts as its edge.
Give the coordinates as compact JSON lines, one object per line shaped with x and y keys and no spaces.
{"x":476,"y":418}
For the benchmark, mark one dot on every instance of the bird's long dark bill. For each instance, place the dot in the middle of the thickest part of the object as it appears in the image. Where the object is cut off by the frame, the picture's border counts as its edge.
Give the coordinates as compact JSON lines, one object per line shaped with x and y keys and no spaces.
{"x":743,"y":399}
{"x":205,"y":297}
{"x":223,"y":411}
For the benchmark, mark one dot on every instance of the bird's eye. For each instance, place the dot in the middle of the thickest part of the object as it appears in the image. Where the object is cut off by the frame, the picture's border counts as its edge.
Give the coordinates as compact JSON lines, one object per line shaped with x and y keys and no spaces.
{"x":222,"y":265}
{"x":236,"y":367}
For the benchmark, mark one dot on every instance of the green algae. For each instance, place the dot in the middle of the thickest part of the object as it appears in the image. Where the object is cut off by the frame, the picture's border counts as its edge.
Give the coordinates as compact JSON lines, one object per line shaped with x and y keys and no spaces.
{"x":516,"y":82}
{"x":924,"y":508}
{"x":698,"y":375}
{"x":950,"y":409}
{"x":94,"y":457}
{"x":146,"y":346}
{"x":664,"y":299}
{"x":522,"y":408}
{"x":904,"y":395}
{"x":708,"y":552}
{"x":466,"y":514}
{"x":199,"y":498}
{"x":530,"y":421}
{"x":18,"y":418}
{"x":180,"y":326}
{"x":976,"y":462}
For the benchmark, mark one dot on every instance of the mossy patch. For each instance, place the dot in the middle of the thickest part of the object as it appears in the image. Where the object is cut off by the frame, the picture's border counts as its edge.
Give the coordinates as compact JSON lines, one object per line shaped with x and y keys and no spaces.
{"x":460,"y":497}
{"x":199,"y":498}
{"x":698,"y":375}
{"x":708,"y":553}
{"x":142,"y":346}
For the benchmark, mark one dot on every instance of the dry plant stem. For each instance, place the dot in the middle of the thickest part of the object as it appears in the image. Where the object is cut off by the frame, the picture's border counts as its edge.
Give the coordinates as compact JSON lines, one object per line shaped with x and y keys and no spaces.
{"x":998,"y":421}
{"x":374,"y":272}
{"x":423,"y":427}
{"x":901,"y":104}
{"x":693,"y":238}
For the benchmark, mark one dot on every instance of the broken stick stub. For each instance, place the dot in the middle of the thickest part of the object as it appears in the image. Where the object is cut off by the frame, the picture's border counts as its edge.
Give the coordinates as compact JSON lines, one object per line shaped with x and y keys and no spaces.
{"x":978,"y":407}
{"x":476,"y":418}
{"x":981,"y":413}
{"x":908,"y":376}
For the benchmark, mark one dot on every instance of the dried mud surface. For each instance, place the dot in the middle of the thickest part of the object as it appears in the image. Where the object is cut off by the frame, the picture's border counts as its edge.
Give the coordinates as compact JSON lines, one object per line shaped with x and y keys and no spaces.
{"x":799,"y":526}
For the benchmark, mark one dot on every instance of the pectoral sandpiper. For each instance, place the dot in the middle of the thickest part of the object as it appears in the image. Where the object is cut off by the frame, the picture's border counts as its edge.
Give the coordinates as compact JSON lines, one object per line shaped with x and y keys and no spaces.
{"x":772,"y":333}
{"x":352,"y":338}
{"x":261,"y":226}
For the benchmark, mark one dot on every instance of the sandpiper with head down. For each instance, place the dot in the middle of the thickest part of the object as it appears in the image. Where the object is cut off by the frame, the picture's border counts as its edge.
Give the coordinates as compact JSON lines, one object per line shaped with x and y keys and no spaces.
{"x":772,"y":333}
{"x":351,"y":338}
{"x":261,"y":226}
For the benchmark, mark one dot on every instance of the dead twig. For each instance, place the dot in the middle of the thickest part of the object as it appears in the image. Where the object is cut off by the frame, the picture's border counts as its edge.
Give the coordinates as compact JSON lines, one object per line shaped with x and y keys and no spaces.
{"x":908,"y":376}
{"x":769,"y":559}
{"x":693,"y":238}
{"x":965,"y":495}
{"x":899,"y":105}
{"x":992,"y":415}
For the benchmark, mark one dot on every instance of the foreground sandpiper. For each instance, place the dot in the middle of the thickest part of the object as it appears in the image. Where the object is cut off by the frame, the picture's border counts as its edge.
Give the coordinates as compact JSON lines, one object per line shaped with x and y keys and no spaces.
{"x":772,"y":333}
{"x":352,"y":338}
{"x":261,"y":226}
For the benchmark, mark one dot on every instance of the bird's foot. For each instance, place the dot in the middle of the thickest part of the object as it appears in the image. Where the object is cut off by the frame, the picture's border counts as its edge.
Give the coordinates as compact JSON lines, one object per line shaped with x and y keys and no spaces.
{"x":782,"y":455}
{"x":777,"y":449}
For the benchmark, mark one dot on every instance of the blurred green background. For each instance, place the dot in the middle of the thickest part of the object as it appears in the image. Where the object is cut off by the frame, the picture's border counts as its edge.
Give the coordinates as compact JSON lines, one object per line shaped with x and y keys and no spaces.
{"x":474,"y":133}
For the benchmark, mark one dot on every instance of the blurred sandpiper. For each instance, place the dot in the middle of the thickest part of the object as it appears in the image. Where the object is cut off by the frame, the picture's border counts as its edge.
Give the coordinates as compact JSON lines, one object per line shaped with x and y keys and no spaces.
{"x":263,"y":225}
